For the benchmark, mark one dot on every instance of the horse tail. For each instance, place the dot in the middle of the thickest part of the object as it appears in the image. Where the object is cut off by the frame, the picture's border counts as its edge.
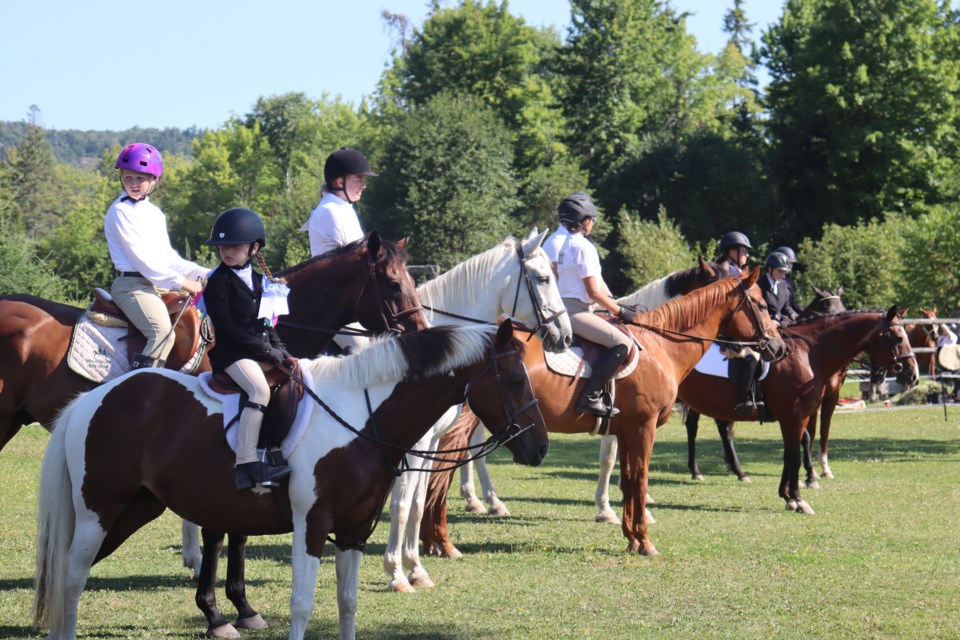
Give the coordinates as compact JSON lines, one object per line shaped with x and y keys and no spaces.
{"x":55,"y":524}
{"x":457,"y":437}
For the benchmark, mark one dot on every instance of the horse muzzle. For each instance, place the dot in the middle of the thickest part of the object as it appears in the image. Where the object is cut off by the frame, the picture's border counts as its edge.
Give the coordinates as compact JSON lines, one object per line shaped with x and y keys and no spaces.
{"x":772,"y":348}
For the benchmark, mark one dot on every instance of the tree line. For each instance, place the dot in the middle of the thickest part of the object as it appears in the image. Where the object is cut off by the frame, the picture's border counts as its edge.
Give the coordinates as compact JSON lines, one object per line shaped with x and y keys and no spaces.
{"x":482,"y":123}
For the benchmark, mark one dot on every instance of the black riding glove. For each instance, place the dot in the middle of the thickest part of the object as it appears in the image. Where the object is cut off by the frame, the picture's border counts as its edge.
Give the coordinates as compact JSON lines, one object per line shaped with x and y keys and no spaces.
{"x":626,"y":314}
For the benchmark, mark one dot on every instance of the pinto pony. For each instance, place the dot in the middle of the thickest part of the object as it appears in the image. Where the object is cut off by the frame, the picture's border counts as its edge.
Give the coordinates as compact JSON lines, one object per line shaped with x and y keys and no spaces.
{"x":117,"y":456}
{"x":672,"y":338}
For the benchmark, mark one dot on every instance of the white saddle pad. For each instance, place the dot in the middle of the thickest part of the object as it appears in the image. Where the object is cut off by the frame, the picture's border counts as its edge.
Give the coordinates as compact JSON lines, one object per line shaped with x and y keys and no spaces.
{"x":231,"y":409}
{"x":99,"y":352}
{"x":567,"y":362}
{"x":714,"y":363}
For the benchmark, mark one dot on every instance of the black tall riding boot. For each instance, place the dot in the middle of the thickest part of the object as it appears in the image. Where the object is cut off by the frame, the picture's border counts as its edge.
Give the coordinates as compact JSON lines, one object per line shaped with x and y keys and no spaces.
{"x":591,"y":400}
{"x":748,"y":372}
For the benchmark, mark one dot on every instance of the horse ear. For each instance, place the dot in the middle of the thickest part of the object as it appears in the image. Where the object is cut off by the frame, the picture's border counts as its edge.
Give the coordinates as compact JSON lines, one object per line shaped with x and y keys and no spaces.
{"x":504,"y":332}
{"x":840,"y":290}
{"x":892,"y":313}
{"x":373,"y":244}
{"x":403,"y":242}
{"x":706,"y":267}
{"x":533,"y":241}
{"x":753,"y":276}
{"x":820,"y":294}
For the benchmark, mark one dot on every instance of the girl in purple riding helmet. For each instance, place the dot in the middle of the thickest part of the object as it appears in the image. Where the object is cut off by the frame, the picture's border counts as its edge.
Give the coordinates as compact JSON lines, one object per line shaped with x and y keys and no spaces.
{"x":136,"y":231}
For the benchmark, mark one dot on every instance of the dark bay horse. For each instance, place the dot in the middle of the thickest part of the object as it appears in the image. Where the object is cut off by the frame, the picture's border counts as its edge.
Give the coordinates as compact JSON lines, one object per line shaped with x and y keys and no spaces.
{"x":673,"y":338}
{"x":825,"y":302}
{"x":117,"y":456}
{"x":818,"y":349}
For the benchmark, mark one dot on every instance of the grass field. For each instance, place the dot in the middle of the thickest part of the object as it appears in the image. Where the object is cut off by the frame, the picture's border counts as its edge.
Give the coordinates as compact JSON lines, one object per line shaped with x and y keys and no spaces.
{"x":880,"y":559}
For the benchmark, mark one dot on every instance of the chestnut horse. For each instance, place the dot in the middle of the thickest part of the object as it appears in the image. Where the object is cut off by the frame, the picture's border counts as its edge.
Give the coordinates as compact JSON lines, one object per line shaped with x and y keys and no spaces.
{"x":794,"y":388}
{"x":117,"y":455}
{"x":648,"y":297}
{"x":673,"y":338}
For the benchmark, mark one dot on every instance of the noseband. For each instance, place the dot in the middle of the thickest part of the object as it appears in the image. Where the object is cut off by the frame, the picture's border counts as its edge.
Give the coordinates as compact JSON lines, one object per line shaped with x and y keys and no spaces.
{"x":764,"y":340}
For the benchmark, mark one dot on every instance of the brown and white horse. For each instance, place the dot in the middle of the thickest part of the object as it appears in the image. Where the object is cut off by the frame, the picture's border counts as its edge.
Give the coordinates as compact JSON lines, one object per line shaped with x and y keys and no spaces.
{"x":151,"y":440}
{"x":673,"y":339}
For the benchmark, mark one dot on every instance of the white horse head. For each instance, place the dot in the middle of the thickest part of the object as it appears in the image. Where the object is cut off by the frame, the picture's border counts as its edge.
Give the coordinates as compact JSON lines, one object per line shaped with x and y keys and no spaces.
{"x":513,"y":278}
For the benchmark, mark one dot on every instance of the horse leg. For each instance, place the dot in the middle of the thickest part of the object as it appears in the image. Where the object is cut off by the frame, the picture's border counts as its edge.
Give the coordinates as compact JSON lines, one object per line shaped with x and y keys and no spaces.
{"x":790,"y":479}
{"x":305,"y":567}
{"x":416,"y":573}
{"x":467,"y":491}
{"x":434,"y":531}
{"x":497,"y":508}
{"x":826,"y":417}
{"x":635,"y":448}
{"x":403,"y":490}
{"x":190,"y":549}
{"x":87,"y":540}
{"x":725,"y":428}
{"x":348,"y":579}
{"x":206,"y":596}
{"x":692,"y":422}
{"x":247,"y":617}
{"x":608,"y":453}
{"x":806,"y":450}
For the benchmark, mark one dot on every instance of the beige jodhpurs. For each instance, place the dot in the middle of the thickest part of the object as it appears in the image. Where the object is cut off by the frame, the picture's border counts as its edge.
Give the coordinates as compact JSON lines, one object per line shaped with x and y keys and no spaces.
{"x":590,"y":327}
{"x":249,"y":375}
{"x":143,"y":306}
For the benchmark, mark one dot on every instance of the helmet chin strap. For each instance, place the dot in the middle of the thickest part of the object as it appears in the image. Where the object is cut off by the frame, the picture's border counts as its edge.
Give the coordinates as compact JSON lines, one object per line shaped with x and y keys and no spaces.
{"x":343,"y":190}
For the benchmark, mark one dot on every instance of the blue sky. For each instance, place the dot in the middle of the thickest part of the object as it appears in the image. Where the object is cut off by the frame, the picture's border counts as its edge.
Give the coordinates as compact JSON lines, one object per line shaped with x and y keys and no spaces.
{"x":106,"y":64}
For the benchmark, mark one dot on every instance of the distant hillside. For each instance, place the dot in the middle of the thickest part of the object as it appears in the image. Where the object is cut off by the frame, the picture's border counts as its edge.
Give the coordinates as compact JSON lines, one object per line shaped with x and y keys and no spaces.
{"x":80,"y":147}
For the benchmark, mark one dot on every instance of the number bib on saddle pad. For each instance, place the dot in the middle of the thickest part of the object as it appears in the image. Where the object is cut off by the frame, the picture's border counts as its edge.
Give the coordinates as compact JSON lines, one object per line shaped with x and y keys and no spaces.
{"x":231,"y":410}
{"x":714,"y":363}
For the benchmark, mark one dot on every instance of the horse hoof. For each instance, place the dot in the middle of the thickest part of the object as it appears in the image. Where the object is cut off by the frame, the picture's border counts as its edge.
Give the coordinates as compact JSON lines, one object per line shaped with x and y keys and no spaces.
{"x":498,"y":509}
{"x":423,"y":582}
{"x":400,"y":586}
{"x":606,"y":517}
{"x":827,"y":473}
{"x":475,"y":506}
{"x":253,"y":622}
{"x":698,"y":476}
{"x":745,"y":479}
{"x":223,"y":631}
{"x":804,"y":508}
{"x":650,"y":499}
{"x":813,"y":484}
{"x":791,"y":505}
{"x":451,"y":552}
{"x":648,"y":517}
{"x":649,"y":551}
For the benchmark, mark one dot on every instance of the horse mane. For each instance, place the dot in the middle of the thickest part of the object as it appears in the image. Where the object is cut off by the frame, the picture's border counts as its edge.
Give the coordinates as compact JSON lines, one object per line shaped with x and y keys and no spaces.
{"x":463,"y":281}
{"x":663,"y":289}
{"x":394,"y":255}
{"x":406,"y":357}
{"x":688,"y":311}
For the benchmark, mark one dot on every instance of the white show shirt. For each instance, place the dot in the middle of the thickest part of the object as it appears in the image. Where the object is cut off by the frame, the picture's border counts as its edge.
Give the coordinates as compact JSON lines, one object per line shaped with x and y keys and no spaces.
{"x":137,"y":239}
{"x":555,"y":242}
{"x":332,"y":224}
{"x":578,"y":259}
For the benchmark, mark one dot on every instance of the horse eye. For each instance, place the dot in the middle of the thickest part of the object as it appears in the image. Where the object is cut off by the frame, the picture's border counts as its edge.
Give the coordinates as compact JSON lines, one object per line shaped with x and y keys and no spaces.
{"x":544,"y":279}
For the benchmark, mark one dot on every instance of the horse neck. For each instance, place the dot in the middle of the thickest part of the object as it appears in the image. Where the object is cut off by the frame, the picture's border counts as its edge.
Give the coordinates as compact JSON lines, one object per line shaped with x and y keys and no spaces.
{"x":699,"y":315}
{"x":322,"y":295}
{"x":836,"y":340}
{"x":467,"y":290}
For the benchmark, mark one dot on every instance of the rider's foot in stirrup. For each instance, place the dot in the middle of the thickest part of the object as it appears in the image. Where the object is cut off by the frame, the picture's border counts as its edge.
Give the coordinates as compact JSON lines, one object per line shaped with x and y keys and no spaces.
{"x":744,"y":409}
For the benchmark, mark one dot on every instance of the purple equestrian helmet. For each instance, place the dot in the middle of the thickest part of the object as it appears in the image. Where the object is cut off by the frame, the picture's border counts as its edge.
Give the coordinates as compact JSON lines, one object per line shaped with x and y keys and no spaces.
{"x":141,"y":157}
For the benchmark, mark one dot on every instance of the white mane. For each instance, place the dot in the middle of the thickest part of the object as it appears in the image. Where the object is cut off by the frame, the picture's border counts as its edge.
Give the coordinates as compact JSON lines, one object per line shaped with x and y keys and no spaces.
{"x":467,"y":282}
{"x":382,"y":361}
{"x":648,"y":296}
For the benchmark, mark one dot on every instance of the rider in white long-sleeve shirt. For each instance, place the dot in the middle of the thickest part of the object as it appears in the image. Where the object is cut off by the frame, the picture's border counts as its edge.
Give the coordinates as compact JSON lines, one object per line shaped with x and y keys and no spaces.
{"x":136,"y":233}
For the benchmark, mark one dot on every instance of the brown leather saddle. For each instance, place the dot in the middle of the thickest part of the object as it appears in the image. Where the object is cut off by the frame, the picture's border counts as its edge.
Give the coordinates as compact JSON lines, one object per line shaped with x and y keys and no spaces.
{"x":592,"y":351}
{"x":187,"y":332}
{"x":281,"y":413}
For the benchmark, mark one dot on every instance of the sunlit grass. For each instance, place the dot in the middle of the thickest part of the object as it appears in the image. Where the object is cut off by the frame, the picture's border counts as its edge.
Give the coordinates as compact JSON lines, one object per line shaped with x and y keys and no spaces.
{"x":880,"y":559}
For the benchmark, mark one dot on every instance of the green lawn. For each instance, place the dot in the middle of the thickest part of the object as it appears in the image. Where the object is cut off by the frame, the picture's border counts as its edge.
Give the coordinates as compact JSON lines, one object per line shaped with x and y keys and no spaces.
{"x":880,"y":559}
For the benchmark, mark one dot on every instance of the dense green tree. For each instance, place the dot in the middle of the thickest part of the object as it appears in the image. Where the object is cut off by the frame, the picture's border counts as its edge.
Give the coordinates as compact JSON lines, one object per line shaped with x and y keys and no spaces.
{"x":862,"y":108}
{"x":650,"y":250}
{"x":931,"y":277}
{"x":865,"y":258}
{"x":22,"y":270}
{"x":446,"y":180}
{"x":31,"y":183}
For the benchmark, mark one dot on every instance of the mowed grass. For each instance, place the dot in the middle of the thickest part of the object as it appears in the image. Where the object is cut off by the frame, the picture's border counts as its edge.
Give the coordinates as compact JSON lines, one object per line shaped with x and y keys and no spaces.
{"x":880,"y":559}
